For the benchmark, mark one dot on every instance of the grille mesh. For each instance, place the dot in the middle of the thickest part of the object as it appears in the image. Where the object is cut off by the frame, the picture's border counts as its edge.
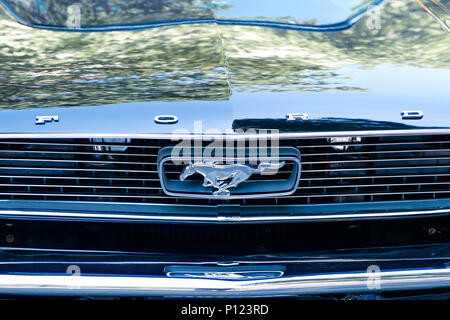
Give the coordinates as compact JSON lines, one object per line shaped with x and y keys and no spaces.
{"x":357,"y":169}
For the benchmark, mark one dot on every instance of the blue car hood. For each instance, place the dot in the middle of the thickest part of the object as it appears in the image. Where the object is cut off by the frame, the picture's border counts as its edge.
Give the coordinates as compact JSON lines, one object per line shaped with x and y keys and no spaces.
{"x":216,"y":78}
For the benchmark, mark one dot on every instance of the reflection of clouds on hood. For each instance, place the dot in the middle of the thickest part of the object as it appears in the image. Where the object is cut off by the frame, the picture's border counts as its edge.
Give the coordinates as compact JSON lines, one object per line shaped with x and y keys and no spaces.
{"x":38,"y":4}
{"x":25,"y":3}
{"x":343,"y":3}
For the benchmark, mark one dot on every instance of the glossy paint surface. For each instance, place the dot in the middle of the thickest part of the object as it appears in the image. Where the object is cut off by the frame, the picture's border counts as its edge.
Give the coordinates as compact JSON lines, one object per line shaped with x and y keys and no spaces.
{"x":394,"y":59}
{"x":135,"y":14}
{"x":217,"y":77}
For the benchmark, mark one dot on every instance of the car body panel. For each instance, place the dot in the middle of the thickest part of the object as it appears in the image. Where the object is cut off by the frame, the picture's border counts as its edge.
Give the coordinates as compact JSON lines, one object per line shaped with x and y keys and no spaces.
{"x":221,"y":74}
{"x":207,"y":73}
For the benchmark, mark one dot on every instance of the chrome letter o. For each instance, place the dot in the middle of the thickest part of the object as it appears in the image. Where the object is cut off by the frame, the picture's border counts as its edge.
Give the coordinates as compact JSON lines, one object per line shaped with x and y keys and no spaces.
{"x":166,"y":119}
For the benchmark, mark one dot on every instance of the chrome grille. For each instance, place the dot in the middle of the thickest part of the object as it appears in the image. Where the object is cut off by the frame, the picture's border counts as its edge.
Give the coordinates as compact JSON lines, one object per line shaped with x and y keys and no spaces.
{"x":350,"y":169}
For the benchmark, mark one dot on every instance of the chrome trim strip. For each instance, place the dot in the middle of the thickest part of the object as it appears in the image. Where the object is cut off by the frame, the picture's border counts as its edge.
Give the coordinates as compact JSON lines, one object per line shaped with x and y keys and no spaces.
{"x":150,"y":179}
{"x":123,"y":144}
{"x":174,"y":218}
{"x":231,"y":136}
{"x":344,"y":186}
{"x":147,"y":155}
{"x":164,"y":286}
{"x":153,"y":171}
{"x":417,"y":158}
{"x":292,"y":196}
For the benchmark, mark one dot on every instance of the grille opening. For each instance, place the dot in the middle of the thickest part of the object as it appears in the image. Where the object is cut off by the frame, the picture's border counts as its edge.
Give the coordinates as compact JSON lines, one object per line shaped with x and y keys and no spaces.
{"x":367,"y":169}
{"x":223,"y":239}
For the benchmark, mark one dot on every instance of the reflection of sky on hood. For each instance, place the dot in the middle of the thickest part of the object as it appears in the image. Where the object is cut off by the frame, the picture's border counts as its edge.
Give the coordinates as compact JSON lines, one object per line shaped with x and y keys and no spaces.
{"x":322,"y":11}
{"x":391,"y":89}
{"x":116,"y":12}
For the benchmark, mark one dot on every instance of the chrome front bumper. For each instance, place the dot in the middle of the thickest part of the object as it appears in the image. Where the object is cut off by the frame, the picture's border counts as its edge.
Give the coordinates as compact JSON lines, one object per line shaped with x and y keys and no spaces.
{"x":67,"y":285}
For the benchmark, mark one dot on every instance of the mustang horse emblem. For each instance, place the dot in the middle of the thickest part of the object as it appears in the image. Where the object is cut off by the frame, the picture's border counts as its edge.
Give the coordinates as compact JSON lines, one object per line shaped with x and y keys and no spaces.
{"x":225,"y":176}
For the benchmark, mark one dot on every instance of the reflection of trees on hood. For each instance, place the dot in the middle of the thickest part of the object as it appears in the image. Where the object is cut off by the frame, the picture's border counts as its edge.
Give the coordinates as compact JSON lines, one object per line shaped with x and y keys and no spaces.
{"x":408,"y":36}
{"x":203,"y":62}
{"x":318,"y":125}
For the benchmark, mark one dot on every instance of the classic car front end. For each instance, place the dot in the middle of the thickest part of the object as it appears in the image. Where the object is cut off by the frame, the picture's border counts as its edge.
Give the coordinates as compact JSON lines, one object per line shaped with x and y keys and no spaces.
{"x":221,"y":149}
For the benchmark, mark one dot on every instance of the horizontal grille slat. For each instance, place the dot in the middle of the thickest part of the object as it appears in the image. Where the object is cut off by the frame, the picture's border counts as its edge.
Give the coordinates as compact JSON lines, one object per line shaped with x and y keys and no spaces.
{"x":377,"y":160}
{"x":157,"y":188}
{"x":372,"y":152}
{"x":91,"y":169}
{"x":154,"y":171}
{"x":167,"y":197}
{"x":327,"y":145}
{"x":364,"y":169}
{"x":372,"y":185}
{"x":366,"y":194}
{"x":157,"y":179}
{"x":379,"y":176}
{"x":79,"y":144}
{"x":76,"y":177}
{"x":97,"y":186}
{"x":78,"y":161}
{"x":117,"y":154}
{"x":380,"y":168}
{"x":79,"y":169}
{"x":62,"y":152}
{"x":382,"y":144}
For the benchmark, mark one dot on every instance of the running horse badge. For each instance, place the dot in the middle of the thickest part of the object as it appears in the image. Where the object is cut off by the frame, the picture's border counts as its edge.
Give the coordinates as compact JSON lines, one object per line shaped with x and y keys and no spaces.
{"x":225,"y":176}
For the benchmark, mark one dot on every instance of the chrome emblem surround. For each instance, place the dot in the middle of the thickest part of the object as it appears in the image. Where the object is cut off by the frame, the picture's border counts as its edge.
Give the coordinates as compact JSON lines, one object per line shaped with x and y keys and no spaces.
{"x":229,"y":181}
{"x":226,"y":273}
